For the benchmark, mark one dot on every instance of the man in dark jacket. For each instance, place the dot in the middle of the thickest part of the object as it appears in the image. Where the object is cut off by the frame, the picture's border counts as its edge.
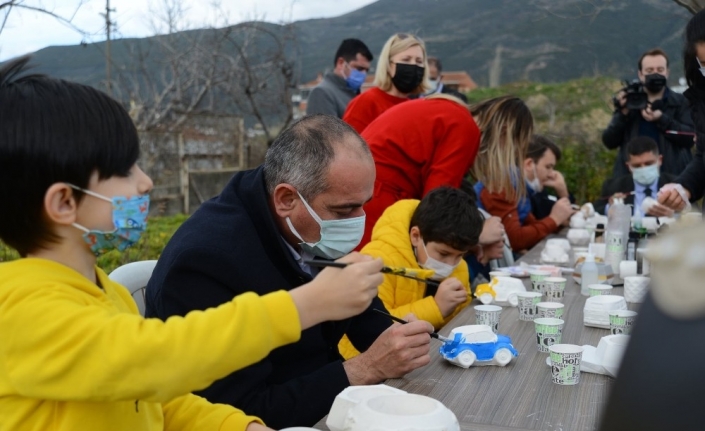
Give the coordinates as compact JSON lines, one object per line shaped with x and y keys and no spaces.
{"x":305,"y":202}
{"x":644,"y":180}
{"x":666,"y":119}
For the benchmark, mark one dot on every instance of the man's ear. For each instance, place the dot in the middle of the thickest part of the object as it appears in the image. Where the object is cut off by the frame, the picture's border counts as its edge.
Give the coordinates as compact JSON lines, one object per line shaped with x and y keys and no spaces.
{"x":629,"y":167}
{"x":60,"y":204}
{"x":285,"y":198}
{"x":529,"y":165}
{"x":660,"y":160}
{"x":339,"y":62}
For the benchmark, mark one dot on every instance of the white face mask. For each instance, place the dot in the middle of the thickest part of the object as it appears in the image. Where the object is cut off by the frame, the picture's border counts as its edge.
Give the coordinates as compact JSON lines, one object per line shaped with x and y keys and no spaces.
{"x":338,"y":237}
{"x":434,"y":85}
{"x":443,"y":270}
{"x":535,"y":184}
{"x":700,"y":66}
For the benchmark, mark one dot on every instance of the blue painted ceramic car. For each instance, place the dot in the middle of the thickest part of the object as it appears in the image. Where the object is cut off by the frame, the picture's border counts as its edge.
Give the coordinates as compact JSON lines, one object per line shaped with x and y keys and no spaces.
{"x":478,"y":345}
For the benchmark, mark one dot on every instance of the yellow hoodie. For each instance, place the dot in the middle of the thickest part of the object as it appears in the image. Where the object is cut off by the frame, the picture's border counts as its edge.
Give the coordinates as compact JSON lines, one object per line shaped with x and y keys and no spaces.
{"x":77,"y":357}
{"x":401,"y":296}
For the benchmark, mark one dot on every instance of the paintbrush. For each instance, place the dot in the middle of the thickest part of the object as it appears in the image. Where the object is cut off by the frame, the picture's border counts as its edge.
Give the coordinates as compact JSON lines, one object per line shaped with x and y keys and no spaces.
{"x":435,"y":335}
{"x":385,"y":269}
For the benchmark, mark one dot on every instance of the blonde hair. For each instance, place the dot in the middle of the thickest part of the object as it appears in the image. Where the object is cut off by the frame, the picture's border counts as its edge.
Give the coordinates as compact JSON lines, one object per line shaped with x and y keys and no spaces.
{"x":449,"y":97}
{"x":506,"y":126}
{"x":399,"y":42}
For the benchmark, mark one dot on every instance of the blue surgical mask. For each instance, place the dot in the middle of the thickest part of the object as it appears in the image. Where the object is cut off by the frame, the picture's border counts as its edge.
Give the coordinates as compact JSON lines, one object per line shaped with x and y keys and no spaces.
{"x":442,"y":270}
{"x":646,"y":175}
{"x":433,"y":84}
{"x":129,"y":219}
{"x":355,"y":79}
{"x":338,"y":237}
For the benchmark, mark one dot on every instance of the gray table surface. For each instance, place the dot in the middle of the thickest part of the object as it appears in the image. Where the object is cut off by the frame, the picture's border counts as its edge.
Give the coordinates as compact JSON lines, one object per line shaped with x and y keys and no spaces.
{"x":520,"y":396}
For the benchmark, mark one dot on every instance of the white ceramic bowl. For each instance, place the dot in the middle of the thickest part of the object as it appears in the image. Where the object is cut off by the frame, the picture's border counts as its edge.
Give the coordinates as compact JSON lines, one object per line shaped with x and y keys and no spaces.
{"x":352,"y":396}
{"x":401,"y":412}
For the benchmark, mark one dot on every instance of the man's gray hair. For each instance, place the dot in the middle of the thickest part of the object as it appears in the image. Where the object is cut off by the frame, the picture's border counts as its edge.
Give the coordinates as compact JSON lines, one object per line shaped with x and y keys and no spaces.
{"x":301,"y":154}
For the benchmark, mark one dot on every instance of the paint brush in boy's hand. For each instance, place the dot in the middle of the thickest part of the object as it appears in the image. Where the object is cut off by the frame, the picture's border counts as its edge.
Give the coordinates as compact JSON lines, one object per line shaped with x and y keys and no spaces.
{"x":435,"y":335}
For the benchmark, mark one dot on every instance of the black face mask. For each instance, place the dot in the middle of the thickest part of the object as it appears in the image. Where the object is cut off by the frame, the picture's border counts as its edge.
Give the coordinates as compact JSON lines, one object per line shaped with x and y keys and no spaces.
{"x":655,"y":82}
{"x":407,"y":77}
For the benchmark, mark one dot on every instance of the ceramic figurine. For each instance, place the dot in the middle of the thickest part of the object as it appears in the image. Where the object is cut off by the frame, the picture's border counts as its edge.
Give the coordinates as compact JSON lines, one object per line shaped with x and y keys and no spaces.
{"x":478,"y":345}
{"x":499,"y":291}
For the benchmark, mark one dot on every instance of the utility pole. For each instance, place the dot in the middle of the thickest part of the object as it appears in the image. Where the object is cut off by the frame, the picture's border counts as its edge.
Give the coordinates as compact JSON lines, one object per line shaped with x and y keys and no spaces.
{"x":108,"y":58}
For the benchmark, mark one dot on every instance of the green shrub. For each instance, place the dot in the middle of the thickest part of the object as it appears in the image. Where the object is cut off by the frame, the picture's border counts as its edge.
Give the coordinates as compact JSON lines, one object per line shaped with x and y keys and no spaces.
{"x":150,"y":246}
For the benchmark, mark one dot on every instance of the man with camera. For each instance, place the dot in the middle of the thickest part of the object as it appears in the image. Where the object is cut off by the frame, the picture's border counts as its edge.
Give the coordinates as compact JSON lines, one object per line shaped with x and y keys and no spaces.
{"x":647,"y":107}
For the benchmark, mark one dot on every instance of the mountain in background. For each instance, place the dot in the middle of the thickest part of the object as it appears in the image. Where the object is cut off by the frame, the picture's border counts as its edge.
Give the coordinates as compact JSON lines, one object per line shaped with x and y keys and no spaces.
{"x":496,"y":41}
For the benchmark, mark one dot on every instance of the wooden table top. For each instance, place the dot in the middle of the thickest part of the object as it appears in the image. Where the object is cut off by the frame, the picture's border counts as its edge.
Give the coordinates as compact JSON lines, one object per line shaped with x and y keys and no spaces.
{"x":520,"y":396}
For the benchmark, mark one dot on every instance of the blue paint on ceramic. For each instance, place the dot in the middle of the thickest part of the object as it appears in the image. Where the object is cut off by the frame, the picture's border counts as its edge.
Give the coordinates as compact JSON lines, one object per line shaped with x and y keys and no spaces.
{"x":483,"y":351}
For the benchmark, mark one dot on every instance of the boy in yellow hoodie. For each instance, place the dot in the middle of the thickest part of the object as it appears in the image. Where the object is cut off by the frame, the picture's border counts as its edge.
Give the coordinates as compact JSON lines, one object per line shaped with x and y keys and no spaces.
{"x":74,"y":351}
{"x":434,"y":233}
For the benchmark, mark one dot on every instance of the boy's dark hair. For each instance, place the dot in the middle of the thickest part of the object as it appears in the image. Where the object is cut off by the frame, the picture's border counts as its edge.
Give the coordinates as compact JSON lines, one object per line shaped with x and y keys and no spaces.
{"x":641,"y":145}
{"x":449,"y":216}
{"x":538,"y":146}
{"x":350,"y":48}
{"x":53,"y":131}
{"x":435,"y":61}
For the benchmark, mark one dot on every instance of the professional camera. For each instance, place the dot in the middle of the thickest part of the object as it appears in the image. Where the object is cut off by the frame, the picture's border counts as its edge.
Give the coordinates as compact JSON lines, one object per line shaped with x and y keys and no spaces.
{"x":636,"y":96}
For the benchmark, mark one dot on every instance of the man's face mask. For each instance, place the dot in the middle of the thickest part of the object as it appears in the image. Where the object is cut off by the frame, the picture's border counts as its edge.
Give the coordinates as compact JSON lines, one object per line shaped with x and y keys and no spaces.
{"x":355,"y":78}
{"x":655,"y":82}
{"x":129,"y":219}
{"x":646,"y":175}
{"x":338,"y":237}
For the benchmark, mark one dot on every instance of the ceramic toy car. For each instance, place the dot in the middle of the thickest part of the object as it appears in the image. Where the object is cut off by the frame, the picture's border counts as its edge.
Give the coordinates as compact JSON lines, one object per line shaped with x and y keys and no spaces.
{"x":478,"y":345}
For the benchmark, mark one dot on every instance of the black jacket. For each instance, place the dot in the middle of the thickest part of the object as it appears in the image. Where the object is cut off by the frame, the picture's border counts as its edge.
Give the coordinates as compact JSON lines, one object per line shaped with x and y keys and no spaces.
{"x":693,"y":178}
{"x":624,"y":184}
{"x":232,"y":245}
{"x":676,"y":149}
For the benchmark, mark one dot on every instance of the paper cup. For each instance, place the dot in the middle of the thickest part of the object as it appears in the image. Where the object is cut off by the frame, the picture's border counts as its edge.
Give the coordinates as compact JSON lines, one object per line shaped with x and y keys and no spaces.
{"x":554,"y":288}
{"x":600,"y":289}
{"x":635,"y":288}
{"x":548,"y":332}
{"x":537,"y":278}
{"x":488,"y":315}
{"x":527,"y":304}
{"x":622,"y":321}
{"x":550,"y":309}
{"x":565,"y":363}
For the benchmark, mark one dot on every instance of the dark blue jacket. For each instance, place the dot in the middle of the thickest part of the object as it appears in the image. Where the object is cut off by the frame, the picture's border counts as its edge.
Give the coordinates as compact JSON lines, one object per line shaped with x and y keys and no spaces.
{"x":232,"y":245}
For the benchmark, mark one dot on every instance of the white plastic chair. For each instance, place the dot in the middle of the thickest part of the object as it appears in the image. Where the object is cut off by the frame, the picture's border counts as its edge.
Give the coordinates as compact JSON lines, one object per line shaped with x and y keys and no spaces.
{"x":134,"y":276}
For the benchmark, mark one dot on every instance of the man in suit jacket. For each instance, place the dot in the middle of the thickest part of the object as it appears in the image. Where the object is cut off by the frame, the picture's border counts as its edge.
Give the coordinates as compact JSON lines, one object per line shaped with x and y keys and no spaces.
{"x":644,"y":162}
{"x":305,"y":202}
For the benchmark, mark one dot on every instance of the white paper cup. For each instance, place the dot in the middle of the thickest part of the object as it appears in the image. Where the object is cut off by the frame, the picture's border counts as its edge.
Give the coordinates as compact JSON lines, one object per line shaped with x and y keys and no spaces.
{"x":548,"y":332}
{"x":635,"y":288}
{"x":554,"y":288}
{"x":488,"y":315}
{"x":527,"y":304}
{"x":550,"y":309}
{"x":537,"y":278}
{"x":565,"y":363}
{"x":622,"y":321}
{"x":600,"y":289}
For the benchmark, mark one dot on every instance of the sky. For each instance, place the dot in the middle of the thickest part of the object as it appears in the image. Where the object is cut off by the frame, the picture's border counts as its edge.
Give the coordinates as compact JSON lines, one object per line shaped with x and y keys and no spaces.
{"x":27,"y":31}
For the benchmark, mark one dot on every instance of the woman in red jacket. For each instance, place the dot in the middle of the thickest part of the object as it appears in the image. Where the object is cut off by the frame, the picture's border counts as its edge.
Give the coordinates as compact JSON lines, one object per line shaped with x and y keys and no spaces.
{"x":401,"y":71}
{"x":426,"y":143}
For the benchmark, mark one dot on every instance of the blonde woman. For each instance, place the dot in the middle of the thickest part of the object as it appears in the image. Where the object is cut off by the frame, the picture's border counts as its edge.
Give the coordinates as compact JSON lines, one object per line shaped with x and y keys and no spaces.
{"x":401,"y":71}
{"x":426,"y":143}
